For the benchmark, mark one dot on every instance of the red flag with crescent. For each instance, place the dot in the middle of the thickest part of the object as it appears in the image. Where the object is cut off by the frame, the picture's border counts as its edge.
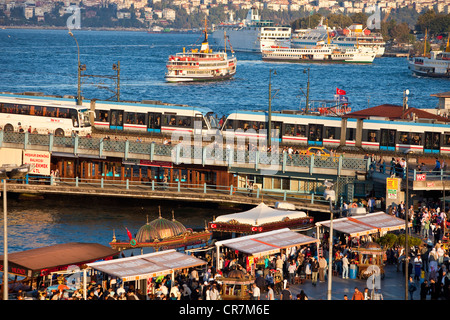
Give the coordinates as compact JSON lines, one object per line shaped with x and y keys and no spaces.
{"x":340,"y":92}
{"x":130,"y":236}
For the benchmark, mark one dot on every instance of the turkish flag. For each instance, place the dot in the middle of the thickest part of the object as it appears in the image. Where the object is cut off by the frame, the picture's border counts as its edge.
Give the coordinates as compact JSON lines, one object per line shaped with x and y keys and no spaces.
{"x":340,"y":92}
{"x":130,"y":236}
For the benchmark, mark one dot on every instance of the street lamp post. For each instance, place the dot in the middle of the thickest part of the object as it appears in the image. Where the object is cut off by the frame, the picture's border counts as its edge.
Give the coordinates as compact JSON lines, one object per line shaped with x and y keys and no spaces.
{"x":269,"y":120}
{"x":307,"y":92}
{"x":5,"y":244}
{"x":330,"y":195}
{"x":5,"y":231}
{"x":407,"y":152}
{"x":79,"y":102}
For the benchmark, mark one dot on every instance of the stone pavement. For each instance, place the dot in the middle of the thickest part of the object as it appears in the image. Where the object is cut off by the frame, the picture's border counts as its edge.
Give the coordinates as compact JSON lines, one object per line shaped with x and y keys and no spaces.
{"x":392,"y":287}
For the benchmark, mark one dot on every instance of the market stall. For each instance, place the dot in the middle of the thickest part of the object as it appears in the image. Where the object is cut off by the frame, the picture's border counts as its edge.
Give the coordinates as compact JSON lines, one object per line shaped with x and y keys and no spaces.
{"x":146,"y":266}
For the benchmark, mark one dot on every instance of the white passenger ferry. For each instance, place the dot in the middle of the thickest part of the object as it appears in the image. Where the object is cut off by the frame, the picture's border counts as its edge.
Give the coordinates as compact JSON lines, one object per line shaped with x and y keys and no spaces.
{"x":352,"y":36}
{"x":251,"y":34}
{"x":201,"y":65}
{"x":437,"y":64}
{"x":322,"y":53}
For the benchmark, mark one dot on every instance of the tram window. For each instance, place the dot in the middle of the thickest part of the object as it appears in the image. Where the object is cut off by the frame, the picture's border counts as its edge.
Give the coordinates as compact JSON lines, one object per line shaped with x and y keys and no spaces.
{"x":372,"y":136}
{"x":416,"y":138}
{"x":140,"y":117}
{"x":170,"y":120}
{"x":289,"y":129}
{"x":351,"y":134}
{"x":301,"y":131}
{"x":101,"y":115}
{"x":184,"y":121}
{"x":330,"y":133}
{"x":404,"y":137}
{"x":447,"y":139}
{"x":130,"y":118}
{"x":230,"y":124}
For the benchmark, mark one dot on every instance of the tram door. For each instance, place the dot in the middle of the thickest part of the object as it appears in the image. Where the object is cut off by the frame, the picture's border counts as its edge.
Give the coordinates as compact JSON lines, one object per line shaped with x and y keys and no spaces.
{"x":154,"y":122}
{"x":387,"y":140}
{"x":276,"y":130}
{"x":432,"y":142}
{"x":116,"y":122}
{"x":315,"y":134}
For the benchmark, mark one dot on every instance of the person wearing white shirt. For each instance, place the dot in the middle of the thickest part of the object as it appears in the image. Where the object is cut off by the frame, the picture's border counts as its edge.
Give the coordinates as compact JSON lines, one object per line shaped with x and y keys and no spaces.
{"x":255,"y":292}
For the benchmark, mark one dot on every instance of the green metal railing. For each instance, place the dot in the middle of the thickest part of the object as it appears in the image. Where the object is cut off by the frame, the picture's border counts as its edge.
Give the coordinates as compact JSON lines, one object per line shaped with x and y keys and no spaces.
{"x":180,"y":153}
{"x":174,"y":187}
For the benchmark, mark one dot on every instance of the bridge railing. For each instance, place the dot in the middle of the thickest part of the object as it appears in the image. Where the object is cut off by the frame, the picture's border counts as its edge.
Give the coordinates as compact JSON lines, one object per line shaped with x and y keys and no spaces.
{"x":175,"y":187}
{"x":180,"y":153}
{"x":414,"y":174}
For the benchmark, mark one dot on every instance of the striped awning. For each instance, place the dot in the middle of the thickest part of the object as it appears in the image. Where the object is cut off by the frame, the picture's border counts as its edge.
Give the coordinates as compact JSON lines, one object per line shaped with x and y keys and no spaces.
{"x":262,"y":244}
{"x":147,"y":265}
{"x":366,"y":224}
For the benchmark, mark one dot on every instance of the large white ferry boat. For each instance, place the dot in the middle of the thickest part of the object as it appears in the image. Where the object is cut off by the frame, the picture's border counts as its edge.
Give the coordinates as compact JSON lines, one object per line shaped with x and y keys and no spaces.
{"x":251,"y":34}
{"x":352,"y":36}
{"x":322,"y":53}
{"x":201,"y":65}
{"x":437,"y":64}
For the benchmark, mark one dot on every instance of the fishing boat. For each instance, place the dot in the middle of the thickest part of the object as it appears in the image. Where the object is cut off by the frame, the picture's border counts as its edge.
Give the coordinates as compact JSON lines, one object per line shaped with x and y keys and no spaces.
{"x":322,"y":53}
{"x":252,"y":34}
{"x":201,"y":65}
{"x":436,"y":64}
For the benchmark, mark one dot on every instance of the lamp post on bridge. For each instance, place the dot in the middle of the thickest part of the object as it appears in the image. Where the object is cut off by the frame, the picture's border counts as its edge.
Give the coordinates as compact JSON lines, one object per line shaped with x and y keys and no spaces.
{"x":269,"y":119}
{"x":5,"y":229}
{"x":330,"y":194}
{"x":80,"y":68}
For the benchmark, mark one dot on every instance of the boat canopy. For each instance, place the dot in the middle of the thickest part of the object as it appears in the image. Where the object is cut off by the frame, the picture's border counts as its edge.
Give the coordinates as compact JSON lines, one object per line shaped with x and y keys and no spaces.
{"x":260,"y":215}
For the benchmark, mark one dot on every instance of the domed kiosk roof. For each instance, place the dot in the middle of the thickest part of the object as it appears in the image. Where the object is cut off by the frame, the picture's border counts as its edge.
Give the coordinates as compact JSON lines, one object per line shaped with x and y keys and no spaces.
{"x":160,"y":228}
{"x":147,"y":233}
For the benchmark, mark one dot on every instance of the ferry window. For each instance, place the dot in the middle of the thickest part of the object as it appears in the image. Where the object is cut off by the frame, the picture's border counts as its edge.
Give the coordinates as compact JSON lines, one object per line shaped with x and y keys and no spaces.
{"x":372,"y":136}
{"x":301,"y":130}
{"x":289,"y":129}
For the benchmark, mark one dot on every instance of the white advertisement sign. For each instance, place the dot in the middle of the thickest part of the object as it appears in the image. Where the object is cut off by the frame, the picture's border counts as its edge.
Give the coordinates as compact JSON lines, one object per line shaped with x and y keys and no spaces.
{"x":39,"y":160}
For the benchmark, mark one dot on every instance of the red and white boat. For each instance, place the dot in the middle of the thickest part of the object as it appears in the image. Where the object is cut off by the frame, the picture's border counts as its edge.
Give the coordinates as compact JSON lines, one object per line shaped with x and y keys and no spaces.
{"x":201,"y":65}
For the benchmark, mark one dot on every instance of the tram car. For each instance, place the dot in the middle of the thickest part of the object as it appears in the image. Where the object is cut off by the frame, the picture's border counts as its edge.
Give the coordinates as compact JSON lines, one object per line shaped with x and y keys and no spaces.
{"x":317,"y":130}
{"x":150,"y":117}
